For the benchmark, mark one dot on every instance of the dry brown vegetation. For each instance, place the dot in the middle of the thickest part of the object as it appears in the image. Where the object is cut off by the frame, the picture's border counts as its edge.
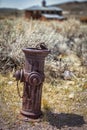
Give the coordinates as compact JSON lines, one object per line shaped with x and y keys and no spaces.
{"x":64,"y":99}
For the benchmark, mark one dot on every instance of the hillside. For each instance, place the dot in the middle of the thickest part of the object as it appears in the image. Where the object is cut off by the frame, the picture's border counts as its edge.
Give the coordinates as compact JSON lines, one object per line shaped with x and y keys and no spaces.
{"x":6,"y":12}
{"x":74,"y":8}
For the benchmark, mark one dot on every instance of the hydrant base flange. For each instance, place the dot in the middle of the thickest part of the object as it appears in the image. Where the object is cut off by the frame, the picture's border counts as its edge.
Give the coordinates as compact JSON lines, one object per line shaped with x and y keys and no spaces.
{"x":31,"y":115}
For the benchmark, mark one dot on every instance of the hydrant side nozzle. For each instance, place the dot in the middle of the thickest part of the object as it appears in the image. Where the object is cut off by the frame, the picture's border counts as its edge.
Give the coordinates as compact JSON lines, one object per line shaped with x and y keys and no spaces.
{"x":19,"y":75}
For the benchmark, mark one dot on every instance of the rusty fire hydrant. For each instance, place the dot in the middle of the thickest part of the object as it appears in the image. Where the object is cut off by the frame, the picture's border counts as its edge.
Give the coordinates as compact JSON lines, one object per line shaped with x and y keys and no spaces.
{"x":32,"y":76}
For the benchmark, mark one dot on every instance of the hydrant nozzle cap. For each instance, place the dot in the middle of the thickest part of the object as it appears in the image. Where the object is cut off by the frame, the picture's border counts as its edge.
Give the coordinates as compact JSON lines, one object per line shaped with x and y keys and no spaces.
{"x":17,"y":75}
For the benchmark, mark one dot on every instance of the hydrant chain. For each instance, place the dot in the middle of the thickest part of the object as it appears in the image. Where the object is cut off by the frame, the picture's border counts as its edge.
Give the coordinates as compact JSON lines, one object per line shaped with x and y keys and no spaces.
{"x":19,"y":91}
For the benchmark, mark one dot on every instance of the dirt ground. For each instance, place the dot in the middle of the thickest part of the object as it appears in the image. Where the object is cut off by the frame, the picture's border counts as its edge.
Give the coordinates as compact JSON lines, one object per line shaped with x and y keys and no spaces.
{"x":54,"y":121}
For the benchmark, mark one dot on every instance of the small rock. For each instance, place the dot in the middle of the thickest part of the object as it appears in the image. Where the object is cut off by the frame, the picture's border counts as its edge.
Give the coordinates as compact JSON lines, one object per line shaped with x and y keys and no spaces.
{"x":70,"y":83}
{"x":10,"y":82}
{"x":67,"y":75}
{"x":71,"y":96}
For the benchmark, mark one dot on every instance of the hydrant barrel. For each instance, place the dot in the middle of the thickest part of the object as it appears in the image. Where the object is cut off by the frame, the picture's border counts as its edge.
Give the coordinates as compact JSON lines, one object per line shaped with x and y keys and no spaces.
{"x":33,"y":77}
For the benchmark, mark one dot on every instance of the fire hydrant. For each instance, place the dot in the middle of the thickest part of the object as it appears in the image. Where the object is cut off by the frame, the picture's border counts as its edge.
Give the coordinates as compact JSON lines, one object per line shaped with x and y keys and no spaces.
{"x":32,"y":76}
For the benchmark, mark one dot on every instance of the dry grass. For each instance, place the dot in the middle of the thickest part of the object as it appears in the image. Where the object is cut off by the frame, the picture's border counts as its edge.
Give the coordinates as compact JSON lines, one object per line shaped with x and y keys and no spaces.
{"x":60,"y":38}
